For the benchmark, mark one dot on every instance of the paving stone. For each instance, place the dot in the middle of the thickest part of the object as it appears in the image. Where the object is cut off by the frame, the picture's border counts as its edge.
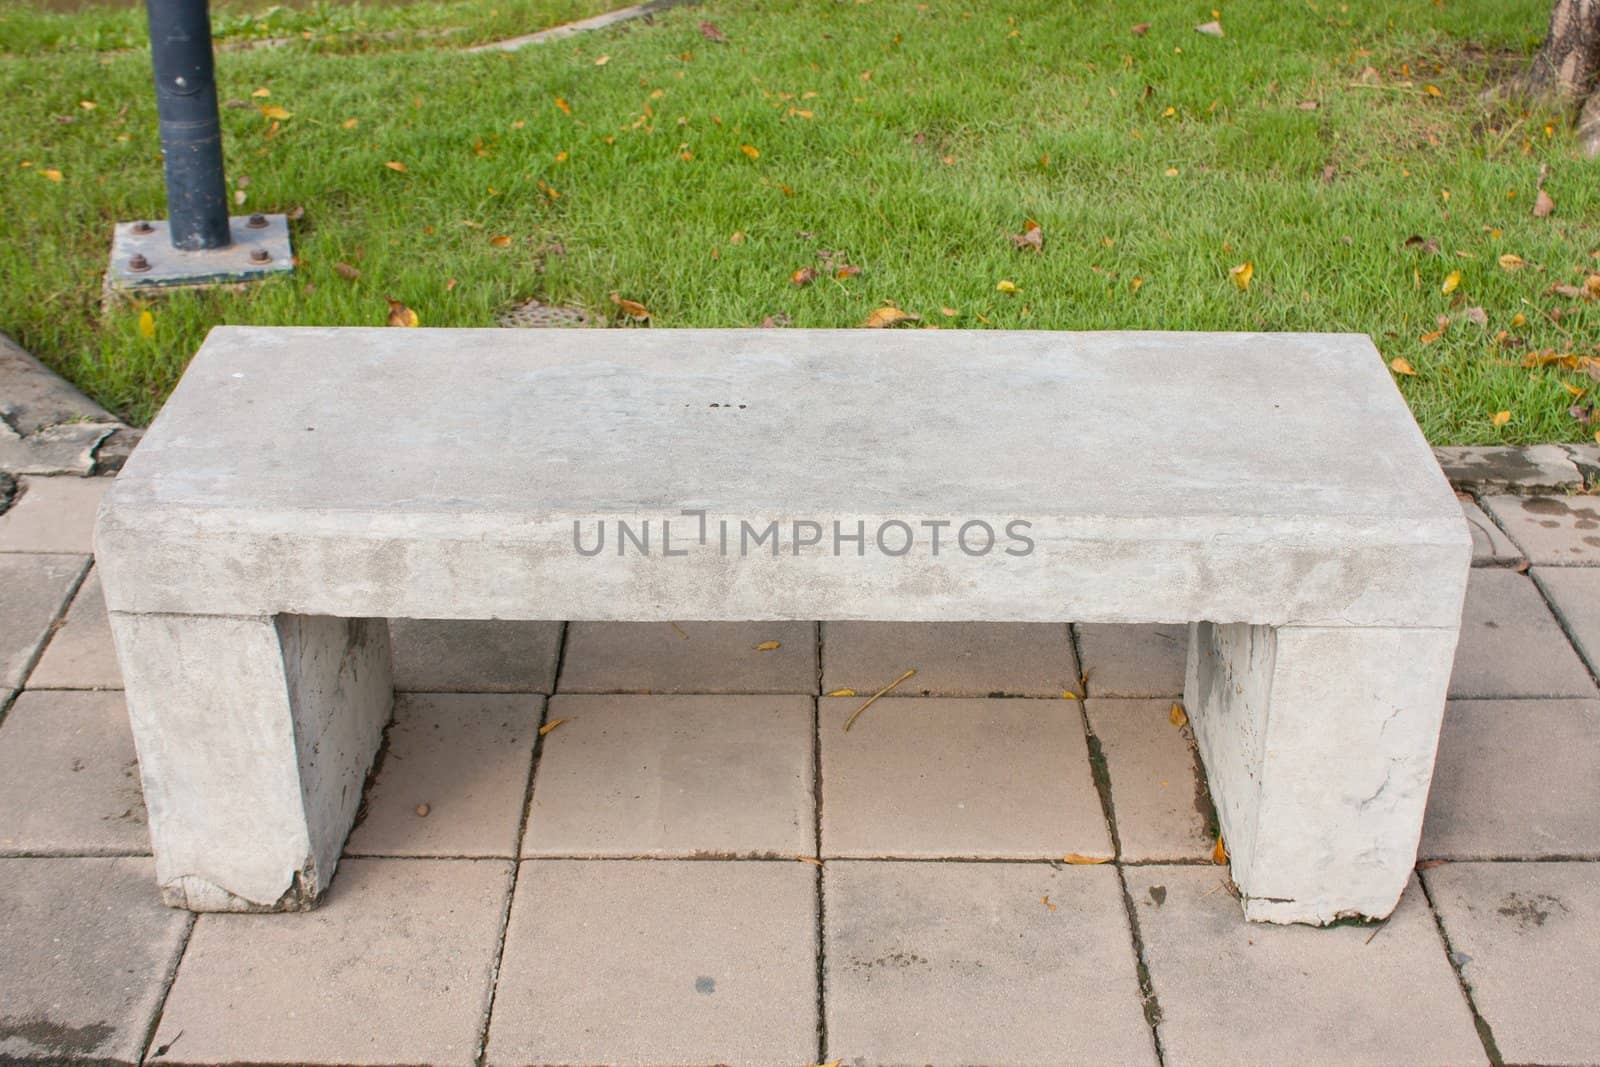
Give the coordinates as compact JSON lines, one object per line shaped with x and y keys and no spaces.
{"x":395,"y":966}
{"x":33,"y":590}
{"x":69,"y":777}
{"x":926,"y":778}
{"x":1490,"y":545}
{"x":689,"y":657}
{"x":969,"y":659}
{"x":658,"y":962}
{"x":80,"y":654}
{"x":1511,"y":645}
{"x":687,"y":776}
{"x":1554,"y":530}
{"x":1158,"y":793}
{"x":88,"y":950}
{"x":1587,"y":459}
{"x":53,"y":515}
{"x":1501,"y":468}
{"x":1515,"y":779}
{"x":1526,"y":936}
{"x":474,"y":656}
{"x":467,"y":757}
{"x":1233,"y":992}
{"x":1575,"y":592}
{"x":1134,"y":661}
{"x":963,"y":963}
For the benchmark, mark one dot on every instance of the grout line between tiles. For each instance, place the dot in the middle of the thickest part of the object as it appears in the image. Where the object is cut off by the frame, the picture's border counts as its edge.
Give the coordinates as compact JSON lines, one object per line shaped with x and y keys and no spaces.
{"x":1485,"y":1032}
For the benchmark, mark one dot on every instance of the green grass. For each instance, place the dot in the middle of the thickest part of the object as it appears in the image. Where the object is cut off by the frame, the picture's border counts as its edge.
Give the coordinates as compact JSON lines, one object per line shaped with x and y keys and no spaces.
{"x":971,"y":121}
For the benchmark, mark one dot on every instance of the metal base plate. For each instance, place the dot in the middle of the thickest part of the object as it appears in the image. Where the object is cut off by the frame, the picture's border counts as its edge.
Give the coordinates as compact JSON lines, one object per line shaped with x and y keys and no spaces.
{"x":169,"y":267}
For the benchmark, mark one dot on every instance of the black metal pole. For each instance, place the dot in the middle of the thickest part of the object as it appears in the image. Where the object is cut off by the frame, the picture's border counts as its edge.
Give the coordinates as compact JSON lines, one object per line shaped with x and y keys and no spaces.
{"x":191,"y":131}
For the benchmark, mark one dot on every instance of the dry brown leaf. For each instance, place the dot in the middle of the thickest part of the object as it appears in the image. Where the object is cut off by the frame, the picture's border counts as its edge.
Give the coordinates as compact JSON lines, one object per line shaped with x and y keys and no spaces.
{"x":1510,"y":261}
{"x":1210,"y":29}
{"x":1425,"y":245}
{"x":882,"y":318}
{"x":814,"y":862}
{"x":551,"y":725}
{"x":1543,"y":205}
{"x":501,"y":241}
{"x":1402,"y":366}
{"x":1140,"y":29}
{"x":346,"y":271}
{"x":602,"y":61}
{"x":709,"y":31}
{"x":631,"y":308}
{"x":849,"y":270}
{"x":1431,"y":336}
{"x":400,"y":315}
{"x":396,"y":165}
{"x":767,"y":646}
{"x":1177,"y":716}
{"x":1477,"y":315}
{"x":1079,"y":859}
{"x":803,"y":277}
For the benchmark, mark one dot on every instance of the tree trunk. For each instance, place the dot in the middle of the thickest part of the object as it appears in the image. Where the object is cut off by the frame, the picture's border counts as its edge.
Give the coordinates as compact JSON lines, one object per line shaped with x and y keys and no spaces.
{"x":1567,"y":68}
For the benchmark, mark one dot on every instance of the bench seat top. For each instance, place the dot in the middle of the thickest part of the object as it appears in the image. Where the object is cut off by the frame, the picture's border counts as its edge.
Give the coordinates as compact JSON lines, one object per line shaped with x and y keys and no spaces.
{"x":1270,"y":478}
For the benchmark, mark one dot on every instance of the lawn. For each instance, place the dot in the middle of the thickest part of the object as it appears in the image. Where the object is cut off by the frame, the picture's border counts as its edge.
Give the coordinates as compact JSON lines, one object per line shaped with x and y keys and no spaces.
{"x":1339,"y":149}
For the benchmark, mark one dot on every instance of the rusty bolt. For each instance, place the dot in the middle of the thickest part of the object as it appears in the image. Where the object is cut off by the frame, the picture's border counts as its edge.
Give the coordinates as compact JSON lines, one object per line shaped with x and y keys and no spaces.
{"x":257,"y":222}
{"x":137,"y":262}
{"x":143,"y":228}
{"x":261,"y":255}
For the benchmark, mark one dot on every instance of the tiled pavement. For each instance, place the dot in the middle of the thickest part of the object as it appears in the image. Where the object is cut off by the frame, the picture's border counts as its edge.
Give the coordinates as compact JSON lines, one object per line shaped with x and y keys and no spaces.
{"x":698,"y":865}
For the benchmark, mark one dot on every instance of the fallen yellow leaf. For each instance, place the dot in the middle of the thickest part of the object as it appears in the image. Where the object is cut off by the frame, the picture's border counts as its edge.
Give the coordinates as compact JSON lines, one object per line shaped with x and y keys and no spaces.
{"x":949,"y":313}
{"x":259,"y":93}
{"x":1432,"y":90}
{"x":273,"y":111}
{"x":400,"y":315}
{"x":882,"y":318}
{"x":1500,"y":418}
{"x":766,"y":646}
{"x":563,"y":105}
{"x":87,"y":105}
{"x":1177,"y":716}
{"x":1519,"y":319}
{"x":842,"y":693}
{"x":1067,"y":694}
{"x":750,"y":150}
{"x":1078,"y":859}
{"x":500,"y":242}
{"x":1401,"y":366}
{"x":1242,"y":274}
{"x":51,"y":173}
{"x":1512,"y":262}
{"x":551,"y":725}
{"x":1575,"y":390}
{"x":396,"y":165}
{"x":803,"y":277}
{"x":1431,"y":336}
{"x":1135,"y":284}
{"x":350,"y":124}
{"x":1219,"y":852}
{"x":602,"y":61}
{"x":1451,"y":281}
{"x":147,"y":325}
{"x":1006,"y":285}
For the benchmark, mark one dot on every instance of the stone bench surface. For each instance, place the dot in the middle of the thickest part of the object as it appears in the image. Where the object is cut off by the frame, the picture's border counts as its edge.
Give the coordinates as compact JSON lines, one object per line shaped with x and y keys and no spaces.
{"x":1273,"y":479}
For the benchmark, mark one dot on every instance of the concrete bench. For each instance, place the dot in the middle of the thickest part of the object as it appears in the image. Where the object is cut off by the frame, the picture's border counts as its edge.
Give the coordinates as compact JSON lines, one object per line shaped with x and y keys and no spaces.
{"x":304,"y":485}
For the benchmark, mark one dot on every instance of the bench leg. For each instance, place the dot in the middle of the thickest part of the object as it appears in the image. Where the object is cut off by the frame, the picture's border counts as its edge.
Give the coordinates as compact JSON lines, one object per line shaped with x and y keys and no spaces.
{"x":1318,"y":745}
{"x":255,"y":735}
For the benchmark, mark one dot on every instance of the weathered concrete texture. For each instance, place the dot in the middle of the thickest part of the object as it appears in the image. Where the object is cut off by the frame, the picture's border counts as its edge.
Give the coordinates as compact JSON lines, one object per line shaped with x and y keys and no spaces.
{"x":1318,"y":746}
{"x":1511,"y":644}
{"x":233,"y":506}
{"x":1519,"y":469}
{"x":47,"y":426}
{"x":1134,"y":661}
{"x":1158,"y":794}
{"x":950,"y":964}
{"x":689,"y":657}
{"x":1527,"y":936}
{"x":52,"y":515}
{"x":67,"y":450}
{"x":1516,"y":779}
{"x":33,"y":591}
{"x":975,"y":659}
{"x":927,"y":778}
{"x":1556,"y":530}
{"x":1344,"y":997}
{"x":474,"y":656}
{"x":88,"y":951}
{"x":69,"y":779}
{"x":1587,"y":458}
{"x":80,"y":654}
{"x":1490,"y":545}
{"x":686,"y":776}
{"x":658,"y":962}
{"x":466,"y":757}
{"x":1575,"y":592}
{"x":249,"y":810}
{"x":394,"y":967}
{"x":597,"y":22}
